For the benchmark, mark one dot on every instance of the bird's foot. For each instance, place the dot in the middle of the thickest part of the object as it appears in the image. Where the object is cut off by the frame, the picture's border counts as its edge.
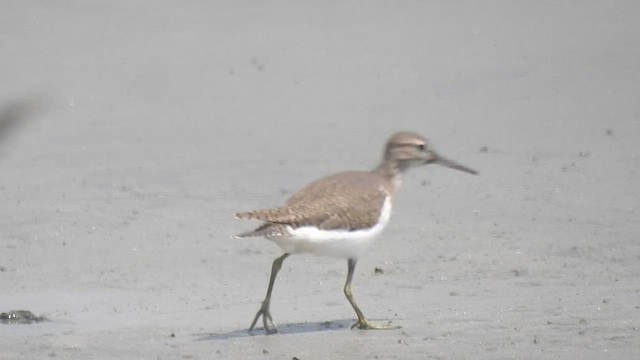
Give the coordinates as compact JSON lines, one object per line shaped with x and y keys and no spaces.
{"x":267,"y":321}
{"x":364,"y":324}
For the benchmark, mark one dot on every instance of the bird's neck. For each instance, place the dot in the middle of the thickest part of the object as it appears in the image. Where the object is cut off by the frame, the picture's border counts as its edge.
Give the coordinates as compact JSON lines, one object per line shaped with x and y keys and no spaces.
{"x":391,"y":171}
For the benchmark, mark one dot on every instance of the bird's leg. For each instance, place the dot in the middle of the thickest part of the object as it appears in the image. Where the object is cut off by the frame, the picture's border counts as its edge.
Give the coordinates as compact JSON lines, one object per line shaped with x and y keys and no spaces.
{"x":362,"y":322}
{"x":267,"y":320}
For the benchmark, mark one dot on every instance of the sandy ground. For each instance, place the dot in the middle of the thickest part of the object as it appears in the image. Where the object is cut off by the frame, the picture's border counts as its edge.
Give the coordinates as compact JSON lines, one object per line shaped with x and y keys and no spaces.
{"x":131,"y":132}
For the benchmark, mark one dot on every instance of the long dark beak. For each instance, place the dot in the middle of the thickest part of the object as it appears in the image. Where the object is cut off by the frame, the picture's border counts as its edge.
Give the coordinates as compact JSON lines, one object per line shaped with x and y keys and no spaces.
{"x":454,"y":165}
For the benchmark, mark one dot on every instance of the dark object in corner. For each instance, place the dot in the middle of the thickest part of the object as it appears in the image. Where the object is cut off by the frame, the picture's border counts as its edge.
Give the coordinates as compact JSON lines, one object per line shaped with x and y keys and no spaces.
{"x":20,"y":317}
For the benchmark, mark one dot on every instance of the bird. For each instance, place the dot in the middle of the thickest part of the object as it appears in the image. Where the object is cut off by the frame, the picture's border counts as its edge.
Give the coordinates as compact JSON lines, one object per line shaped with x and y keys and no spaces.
{"x":340,"y":216}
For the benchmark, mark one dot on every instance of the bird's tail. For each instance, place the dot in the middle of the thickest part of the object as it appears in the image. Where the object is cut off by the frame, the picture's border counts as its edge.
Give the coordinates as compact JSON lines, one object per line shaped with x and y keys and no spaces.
{"x":264,"y":230}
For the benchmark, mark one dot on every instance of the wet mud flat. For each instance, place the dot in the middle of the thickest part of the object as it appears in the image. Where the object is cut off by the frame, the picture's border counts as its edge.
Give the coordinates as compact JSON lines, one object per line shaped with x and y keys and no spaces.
{"x":130,"y":134}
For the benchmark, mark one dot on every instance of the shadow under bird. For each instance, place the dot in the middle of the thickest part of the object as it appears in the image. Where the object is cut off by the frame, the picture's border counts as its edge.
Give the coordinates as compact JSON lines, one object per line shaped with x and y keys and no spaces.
{"x":341,"y":215}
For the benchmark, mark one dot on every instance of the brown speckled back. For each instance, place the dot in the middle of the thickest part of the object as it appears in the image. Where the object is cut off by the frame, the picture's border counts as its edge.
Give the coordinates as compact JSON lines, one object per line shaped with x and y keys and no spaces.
{"x":350,"y":200}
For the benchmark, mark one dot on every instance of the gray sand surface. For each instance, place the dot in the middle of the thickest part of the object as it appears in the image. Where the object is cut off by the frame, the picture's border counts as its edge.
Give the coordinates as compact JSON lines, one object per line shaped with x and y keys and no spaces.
{"x":131,"y":131}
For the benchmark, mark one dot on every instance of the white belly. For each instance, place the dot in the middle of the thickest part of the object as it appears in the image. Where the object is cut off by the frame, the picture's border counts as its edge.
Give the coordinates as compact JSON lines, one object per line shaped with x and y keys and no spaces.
{"x":337,"y":243}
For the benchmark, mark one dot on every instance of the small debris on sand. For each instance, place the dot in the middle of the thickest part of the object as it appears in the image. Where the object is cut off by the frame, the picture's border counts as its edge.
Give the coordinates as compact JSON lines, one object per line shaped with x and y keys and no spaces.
{"x":20,"y":317}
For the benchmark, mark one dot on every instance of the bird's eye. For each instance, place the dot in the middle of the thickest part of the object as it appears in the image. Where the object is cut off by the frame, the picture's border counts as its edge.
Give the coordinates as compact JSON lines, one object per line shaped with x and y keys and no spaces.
{"x":421,"y":146}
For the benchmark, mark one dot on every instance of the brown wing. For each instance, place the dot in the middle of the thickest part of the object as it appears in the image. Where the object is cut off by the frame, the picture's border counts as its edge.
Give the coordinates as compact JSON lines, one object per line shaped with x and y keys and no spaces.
{"x":349,"y":200}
